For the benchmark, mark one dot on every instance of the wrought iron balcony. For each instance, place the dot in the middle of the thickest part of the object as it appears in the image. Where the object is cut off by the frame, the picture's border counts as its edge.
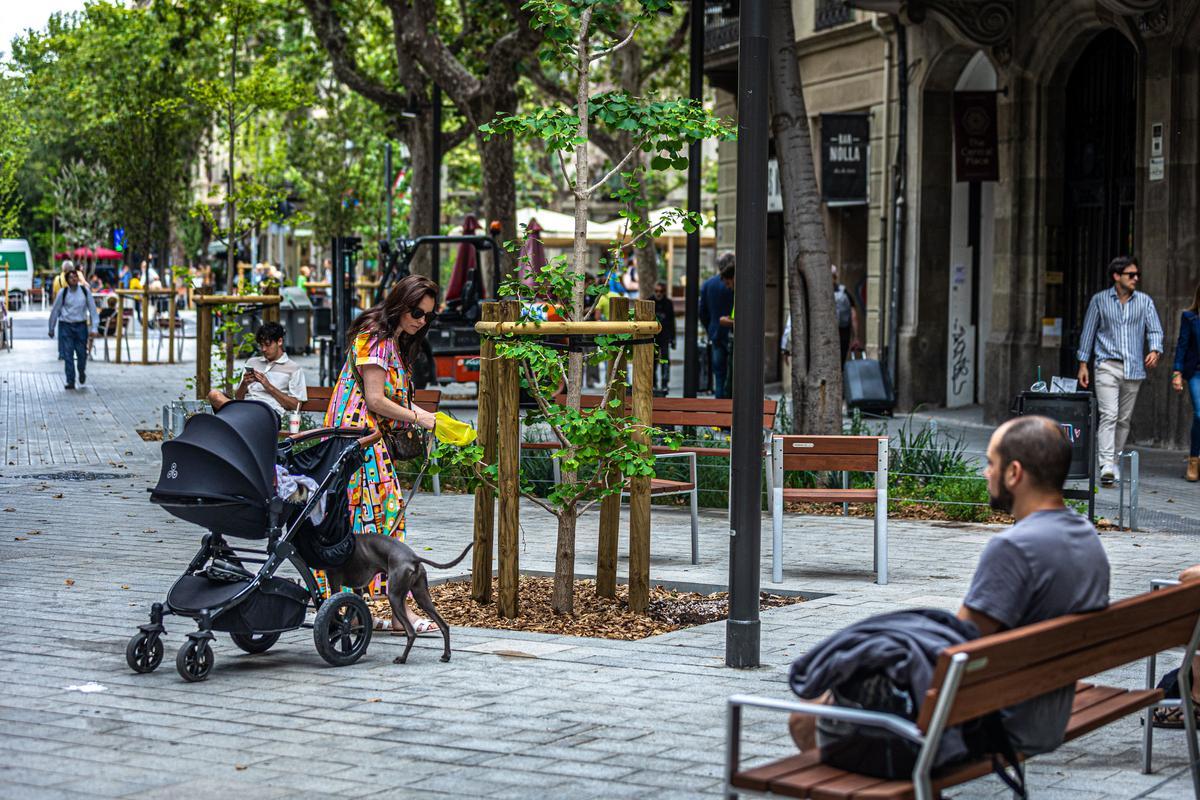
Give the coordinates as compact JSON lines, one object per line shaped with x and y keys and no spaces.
{"x":831,"y":13}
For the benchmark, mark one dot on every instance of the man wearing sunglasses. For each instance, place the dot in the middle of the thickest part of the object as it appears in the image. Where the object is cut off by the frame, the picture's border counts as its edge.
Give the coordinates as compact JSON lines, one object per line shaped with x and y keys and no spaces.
{"x":1120,"y":323}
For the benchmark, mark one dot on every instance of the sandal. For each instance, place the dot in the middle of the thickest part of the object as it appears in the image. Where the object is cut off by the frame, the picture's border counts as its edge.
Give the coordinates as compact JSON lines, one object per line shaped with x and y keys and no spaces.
{"x":1172,"y":718}
{"x":427,"y":627}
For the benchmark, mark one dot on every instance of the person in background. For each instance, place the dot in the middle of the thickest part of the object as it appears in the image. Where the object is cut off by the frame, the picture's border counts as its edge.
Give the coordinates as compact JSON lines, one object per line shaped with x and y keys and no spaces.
{"x":847,"y":316}
{"x":1187,"y":373}
{"x":716,"y":305}
{"x":1120,"y":322}
{"x":302,"y":278}
{"x":60,"y":280}
{"x":629,"y":279}
{"x":124,"y":276}
{"x":74,"y":313}
{"x":664,"y":340}
{"x":272,"y":377}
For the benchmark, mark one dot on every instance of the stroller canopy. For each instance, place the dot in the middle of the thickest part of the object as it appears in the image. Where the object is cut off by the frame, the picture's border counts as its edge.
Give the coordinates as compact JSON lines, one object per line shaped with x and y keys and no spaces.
{"x":227,"y":458}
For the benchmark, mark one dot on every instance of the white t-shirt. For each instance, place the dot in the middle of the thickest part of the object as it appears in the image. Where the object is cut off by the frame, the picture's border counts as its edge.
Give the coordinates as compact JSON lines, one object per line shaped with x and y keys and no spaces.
{"x":285,"y":375}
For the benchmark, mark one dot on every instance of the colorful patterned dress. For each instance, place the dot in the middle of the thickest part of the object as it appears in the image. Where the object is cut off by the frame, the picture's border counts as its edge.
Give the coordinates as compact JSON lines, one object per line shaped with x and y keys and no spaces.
{"x":376,"y":499}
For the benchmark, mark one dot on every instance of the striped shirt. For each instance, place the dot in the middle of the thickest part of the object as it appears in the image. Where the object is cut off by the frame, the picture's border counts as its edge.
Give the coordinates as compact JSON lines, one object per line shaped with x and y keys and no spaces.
{"x":1117,"y":331}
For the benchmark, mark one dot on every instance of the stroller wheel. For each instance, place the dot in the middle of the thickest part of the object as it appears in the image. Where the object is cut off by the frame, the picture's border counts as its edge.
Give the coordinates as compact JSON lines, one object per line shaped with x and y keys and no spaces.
{"x":141,"y":654}
{"x":194,"y":660}
{"x":342,"y":629}
{"x":254,"y":642}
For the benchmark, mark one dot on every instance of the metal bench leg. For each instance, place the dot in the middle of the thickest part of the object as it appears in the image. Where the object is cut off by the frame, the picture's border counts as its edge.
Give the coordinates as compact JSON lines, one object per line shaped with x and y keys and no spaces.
{"x":777,"y":514}
{"x":733,"y":732}
{"x":1147,"y":723}
{"x":437,"y":480}
{"x":881,"y":512}
{"x":695,"y":501}
{"x":1189,"y":711}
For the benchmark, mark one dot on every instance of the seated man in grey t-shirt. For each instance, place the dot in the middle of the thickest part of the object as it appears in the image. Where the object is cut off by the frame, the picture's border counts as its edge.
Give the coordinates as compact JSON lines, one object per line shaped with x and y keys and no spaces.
{"x":1048,"y":564}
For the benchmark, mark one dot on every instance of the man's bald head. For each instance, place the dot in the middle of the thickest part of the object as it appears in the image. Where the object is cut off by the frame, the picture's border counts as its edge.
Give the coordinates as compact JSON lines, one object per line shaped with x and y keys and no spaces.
{"x":1039,"y":445}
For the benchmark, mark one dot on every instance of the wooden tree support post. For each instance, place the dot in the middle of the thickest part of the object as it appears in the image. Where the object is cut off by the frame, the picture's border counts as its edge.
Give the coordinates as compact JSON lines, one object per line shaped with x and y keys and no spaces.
{"x":145,"y":327}
{"x":204,"y":333}
{"x":639,"y":487}
{"x":120,"y":325}
{"x":610,"y":507}
{"x":508,"y":454}
{"x":171,"y":321}
{"x":204,"y":329}
{"x":485,"y":497}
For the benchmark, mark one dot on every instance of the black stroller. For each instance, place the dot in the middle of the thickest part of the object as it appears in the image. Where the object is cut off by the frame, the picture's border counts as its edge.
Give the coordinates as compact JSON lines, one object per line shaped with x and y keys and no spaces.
{"x":220,"y":474}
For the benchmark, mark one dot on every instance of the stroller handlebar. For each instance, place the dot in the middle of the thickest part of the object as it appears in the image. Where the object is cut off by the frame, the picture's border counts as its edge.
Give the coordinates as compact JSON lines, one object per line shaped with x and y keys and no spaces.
{"x":372,"y":436}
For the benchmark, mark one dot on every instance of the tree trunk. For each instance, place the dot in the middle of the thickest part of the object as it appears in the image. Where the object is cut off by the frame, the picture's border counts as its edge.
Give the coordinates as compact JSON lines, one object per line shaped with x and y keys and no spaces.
{"x":816,"y":373}
{"x":417,"y":135}
{"x":500,"y":192}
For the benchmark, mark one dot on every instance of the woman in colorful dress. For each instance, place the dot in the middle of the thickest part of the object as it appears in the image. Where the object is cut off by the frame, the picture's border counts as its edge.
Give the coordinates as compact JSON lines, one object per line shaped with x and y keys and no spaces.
{"x":374,"y":391}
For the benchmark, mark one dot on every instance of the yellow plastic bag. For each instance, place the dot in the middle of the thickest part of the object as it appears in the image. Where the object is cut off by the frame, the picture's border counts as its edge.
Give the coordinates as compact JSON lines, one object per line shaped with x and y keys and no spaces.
{"x":452,"y":431}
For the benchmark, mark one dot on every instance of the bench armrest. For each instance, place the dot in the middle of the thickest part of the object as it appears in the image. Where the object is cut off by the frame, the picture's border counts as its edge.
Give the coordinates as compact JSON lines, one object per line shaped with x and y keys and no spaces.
{"x":897,"y":725}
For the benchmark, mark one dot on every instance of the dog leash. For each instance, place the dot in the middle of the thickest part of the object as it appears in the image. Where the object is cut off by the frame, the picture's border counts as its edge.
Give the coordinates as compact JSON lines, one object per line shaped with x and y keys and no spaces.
{"x":416,"y":486}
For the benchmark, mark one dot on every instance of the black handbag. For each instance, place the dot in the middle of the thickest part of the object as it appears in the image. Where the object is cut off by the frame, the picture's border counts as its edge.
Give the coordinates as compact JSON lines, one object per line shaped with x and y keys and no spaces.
{"x":406,"y":440}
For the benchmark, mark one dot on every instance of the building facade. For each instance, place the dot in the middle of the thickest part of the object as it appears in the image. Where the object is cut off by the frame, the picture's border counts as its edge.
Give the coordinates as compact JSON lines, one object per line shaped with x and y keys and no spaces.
{"x":1042,"y":140}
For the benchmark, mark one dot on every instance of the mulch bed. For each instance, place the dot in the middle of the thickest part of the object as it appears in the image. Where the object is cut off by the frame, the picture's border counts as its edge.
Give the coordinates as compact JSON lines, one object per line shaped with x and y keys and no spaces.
{"x":916,"y":511}
{"x":599,"y":617}
{"x":150,"y":435}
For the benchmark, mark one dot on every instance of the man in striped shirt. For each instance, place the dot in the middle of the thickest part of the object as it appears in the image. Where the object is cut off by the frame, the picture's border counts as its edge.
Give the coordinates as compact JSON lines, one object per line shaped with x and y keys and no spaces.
{"x":1120,"y":322}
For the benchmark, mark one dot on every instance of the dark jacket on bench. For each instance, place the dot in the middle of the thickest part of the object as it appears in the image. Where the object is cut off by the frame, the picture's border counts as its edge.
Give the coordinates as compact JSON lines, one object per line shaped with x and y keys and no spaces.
{"x":903,"y":645}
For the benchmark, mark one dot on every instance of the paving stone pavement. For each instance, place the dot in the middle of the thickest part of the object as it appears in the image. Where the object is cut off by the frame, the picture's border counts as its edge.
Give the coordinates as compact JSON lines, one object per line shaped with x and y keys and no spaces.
{"x":82,"y":560}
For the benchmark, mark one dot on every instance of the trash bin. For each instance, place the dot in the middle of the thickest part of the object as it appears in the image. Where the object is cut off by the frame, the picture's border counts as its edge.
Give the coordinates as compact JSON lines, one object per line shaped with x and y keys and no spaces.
{"x":1075,"y":412}
{"x":295,"y":314}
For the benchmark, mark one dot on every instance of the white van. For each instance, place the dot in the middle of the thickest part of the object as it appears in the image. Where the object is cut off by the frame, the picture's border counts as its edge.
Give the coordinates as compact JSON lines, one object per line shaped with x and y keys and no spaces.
{"x":17,"y":257}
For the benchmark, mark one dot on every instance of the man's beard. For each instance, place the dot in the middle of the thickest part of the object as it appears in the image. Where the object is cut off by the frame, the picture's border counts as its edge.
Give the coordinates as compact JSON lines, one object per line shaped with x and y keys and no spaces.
{"x":1003,"y":501}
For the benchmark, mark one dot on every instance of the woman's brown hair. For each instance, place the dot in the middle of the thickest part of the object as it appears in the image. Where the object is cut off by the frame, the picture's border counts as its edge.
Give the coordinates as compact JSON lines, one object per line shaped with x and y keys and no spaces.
{"x":1195,"y":306}
{"x":383,"y":320}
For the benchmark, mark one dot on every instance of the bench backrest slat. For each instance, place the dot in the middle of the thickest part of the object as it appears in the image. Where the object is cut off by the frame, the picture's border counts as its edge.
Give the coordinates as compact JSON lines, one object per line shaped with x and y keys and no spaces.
{"x":812,"y":453}
{"x":700,"y":412}
{"x":1017,"y":665}
{"x":318,"y":399}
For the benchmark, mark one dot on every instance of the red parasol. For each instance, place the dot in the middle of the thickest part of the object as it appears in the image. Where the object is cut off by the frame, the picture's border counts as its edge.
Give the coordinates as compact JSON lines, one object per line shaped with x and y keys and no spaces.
{"x":464,"y":262}
{"x":533,"y":253}
{"x":100,"y":254}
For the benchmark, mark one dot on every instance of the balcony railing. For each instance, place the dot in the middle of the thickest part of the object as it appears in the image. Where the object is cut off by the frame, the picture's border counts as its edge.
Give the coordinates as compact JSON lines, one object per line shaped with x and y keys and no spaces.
{"x":720,"y":36}
{"x":831,"y":13}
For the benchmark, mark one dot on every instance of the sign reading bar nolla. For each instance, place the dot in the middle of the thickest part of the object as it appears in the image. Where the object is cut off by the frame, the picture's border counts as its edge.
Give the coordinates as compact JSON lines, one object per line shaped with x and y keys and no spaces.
{"x":975,"y":153}
{"x":844,"y":158}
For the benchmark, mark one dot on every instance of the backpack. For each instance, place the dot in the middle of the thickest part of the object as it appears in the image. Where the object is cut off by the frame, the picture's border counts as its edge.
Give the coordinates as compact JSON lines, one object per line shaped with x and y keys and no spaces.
{"x":882,"y":754}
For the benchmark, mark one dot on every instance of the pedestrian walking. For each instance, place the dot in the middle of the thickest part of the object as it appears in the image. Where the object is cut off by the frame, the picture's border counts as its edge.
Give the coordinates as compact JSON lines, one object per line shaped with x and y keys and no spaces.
{"x":716,"y":304}
{"x":664,"y":340}
{"x":847,"y":316}
{"x":1187,"y":373}
{"x":1120,"y":323}
{"x":74,"y":312}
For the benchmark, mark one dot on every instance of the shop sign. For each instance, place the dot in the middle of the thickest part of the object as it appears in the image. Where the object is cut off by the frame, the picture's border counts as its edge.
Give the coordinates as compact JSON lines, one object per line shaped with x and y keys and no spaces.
{"x":976,"y":155}
{"x":845,"y":158}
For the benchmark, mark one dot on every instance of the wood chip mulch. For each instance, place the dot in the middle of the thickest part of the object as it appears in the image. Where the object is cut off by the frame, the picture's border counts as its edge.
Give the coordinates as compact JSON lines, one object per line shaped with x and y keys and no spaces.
{"x":594,"y":616}
{"x":150,"y":435}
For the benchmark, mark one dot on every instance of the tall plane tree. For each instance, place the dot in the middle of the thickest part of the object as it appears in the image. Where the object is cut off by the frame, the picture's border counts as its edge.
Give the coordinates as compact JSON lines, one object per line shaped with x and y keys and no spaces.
{"x":816,"y":371}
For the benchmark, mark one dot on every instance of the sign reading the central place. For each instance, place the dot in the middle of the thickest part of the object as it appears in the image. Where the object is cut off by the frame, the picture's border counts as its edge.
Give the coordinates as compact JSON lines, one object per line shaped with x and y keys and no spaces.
{"x":975,"y":151}
{"x":845,"y":158}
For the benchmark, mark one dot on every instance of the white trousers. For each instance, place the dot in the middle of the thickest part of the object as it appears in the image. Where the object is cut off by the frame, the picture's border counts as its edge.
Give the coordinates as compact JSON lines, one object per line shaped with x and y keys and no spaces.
{"x":1115,"y":397}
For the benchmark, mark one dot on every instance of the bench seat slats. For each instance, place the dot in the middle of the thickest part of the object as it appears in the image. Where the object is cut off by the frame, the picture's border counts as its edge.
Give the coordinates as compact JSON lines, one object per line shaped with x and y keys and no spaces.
{"x":663,"y":486}
{"x":1094,"y":707}
{"x":852,"y":462}
{"x":760,"y":778}
{"x":829,"y":495}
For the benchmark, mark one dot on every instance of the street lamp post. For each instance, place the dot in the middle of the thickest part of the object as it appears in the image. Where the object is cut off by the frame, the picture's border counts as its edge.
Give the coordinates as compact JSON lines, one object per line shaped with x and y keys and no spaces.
{"x":742,"y":628}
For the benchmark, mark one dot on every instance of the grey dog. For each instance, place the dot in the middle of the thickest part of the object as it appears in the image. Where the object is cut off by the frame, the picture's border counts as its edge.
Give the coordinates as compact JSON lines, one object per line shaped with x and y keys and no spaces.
{"x":405,"y":570}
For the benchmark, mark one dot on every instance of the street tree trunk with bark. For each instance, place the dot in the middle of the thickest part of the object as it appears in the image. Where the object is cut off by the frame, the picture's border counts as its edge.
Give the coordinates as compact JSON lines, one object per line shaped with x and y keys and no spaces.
{"x":816,"y":371}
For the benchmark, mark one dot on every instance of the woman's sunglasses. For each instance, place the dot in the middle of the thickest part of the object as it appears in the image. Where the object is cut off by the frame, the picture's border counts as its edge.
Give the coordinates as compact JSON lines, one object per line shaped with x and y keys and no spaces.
{"x":420,"y":313}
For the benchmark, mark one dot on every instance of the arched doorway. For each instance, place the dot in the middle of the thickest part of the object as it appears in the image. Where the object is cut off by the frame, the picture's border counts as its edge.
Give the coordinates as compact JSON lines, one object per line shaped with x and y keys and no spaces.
{"x":1100,"y":140}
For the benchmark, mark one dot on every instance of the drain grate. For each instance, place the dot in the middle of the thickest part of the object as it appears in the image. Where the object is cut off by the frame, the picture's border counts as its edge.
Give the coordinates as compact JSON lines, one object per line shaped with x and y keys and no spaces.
{"x":74,"y":475}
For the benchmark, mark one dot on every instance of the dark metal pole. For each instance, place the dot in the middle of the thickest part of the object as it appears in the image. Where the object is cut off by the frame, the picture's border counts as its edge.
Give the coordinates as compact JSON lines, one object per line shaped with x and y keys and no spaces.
{"x":388,"y":178}
{"x":898,"y":191}
{"x":742,"y":629}
{"x":337,"y":347}
{"x":691,"y":297}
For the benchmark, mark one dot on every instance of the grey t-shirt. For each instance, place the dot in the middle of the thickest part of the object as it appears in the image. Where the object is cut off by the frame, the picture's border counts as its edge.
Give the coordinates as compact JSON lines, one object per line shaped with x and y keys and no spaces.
{"x":1049,"y":564}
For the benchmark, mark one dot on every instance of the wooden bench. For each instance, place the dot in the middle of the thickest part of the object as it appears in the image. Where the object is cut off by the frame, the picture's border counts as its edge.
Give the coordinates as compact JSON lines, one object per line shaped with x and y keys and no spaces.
{"x":839,"y":454}
{"x":428,"y":399}
{"x":681,"y":412}
{"x":975,"y":679}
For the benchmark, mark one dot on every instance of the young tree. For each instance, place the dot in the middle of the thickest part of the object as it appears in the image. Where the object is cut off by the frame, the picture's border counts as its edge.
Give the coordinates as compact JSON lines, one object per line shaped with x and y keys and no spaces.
{"x":83,"y":203}
{"x":816,"y":371}
{"x":253,"y":81}
{"x":14,"y":150}
{"x":597,"y":447}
